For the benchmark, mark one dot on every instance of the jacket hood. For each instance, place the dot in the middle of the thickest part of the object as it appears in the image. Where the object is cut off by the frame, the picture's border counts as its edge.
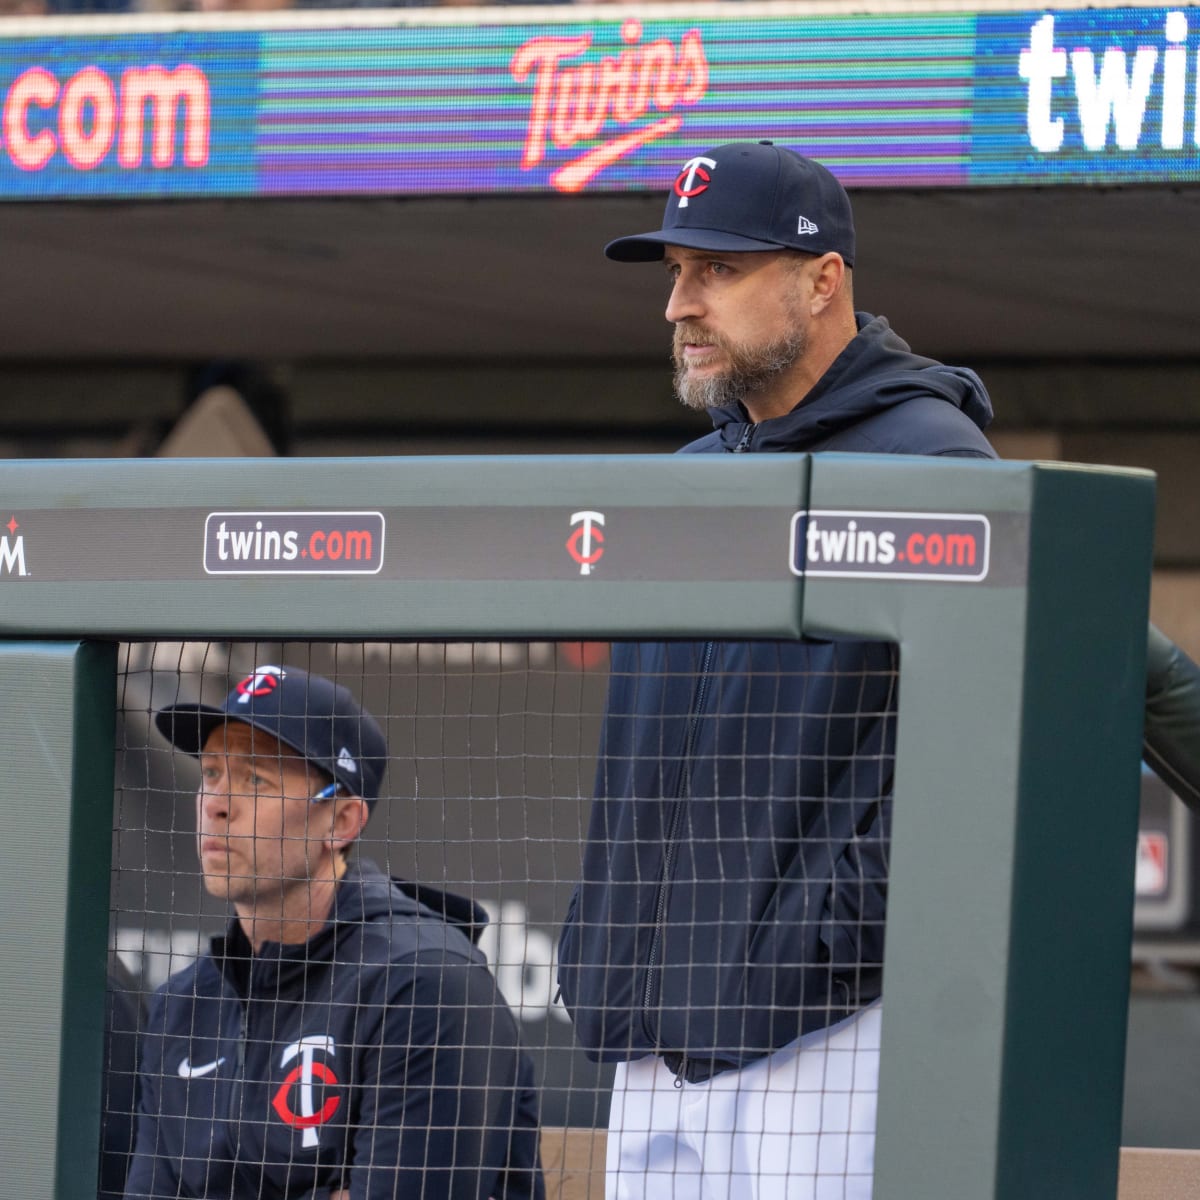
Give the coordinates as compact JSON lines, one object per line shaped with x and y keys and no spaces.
{"x":877,"y":371}
{"x":363,"y":894}
{"x":366,"y":892}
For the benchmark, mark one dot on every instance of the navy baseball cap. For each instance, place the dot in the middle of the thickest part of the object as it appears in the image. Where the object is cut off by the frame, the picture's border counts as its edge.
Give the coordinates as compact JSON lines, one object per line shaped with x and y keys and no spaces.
{"x":749,"y":196}
{"x":317,"y":718}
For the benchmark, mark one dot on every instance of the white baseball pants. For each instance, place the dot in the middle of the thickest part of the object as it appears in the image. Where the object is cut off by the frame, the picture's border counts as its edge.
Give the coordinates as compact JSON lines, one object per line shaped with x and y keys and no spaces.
{"x":799,"y":1125}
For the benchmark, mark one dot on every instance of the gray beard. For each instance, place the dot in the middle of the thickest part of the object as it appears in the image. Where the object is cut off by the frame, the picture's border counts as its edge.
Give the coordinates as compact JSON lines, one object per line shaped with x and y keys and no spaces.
{"x":751,"y":369}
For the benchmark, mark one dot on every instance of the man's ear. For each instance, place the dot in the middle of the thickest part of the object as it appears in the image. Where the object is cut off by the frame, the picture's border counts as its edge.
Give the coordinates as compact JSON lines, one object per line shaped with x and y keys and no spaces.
{"x":350,"y":815}
{"x":827,"y":280}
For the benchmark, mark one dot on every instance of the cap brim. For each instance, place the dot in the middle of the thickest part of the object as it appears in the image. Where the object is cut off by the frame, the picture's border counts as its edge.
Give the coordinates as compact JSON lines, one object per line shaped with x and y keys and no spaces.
{"x":187,"y":726}
{"x":648,"y":247}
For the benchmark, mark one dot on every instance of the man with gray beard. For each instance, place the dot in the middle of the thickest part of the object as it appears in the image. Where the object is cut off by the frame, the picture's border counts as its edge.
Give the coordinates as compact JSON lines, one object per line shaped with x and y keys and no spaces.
{"x":725,"y":945}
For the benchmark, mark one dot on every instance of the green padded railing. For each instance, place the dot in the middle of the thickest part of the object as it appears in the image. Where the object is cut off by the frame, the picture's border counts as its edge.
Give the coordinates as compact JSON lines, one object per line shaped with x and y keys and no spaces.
{"x":1018,"y":594}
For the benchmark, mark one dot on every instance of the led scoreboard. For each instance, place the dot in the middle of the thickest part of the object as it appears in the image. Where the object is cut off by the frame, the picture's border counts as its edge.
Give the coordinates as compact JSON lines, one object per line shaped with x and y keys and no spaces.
{"x":413,"y":103}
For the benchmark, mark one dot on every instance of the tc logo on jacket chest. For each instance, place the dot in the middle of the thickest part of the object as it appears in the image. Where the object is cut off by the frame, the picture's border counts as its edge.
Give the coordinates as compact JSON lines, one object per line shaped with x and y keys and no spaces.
{"x":296,"y":1098}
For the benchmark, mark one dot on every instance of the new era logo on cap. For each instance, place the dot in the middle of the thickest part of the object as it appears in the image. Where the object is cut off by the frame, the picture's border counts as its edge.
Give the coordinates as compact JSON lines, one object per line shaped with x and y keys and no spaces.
{"x":749,"y":196}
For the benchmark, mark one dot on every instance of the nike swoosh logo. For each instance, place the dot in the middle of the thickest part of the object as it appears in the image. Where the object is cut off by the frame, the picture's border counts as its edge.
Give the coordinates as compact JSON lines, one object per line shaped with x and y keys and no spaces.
{"x":187,"y":1071}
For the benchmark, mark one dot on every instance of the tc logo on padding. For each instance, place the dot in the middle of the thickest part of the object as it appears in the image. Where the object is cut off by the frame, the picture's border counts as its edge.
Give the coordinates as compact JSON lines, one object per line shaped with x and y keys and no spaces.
{"x":586,"y":544}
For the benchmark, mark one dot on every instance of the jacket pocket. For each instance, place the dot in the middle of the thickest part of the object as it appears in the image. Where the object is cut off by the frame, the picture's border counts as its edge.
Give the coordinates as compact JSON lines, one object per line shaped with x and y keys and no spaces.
{"x":855,"y":907}
{"x":786,"y":983}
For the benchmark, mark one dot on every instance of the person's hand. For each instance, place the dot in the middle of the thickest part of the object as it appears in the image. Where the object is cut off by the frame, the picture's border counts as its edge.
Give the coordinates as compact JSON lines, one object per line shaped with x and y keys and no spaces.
{"x":340,"y":1194}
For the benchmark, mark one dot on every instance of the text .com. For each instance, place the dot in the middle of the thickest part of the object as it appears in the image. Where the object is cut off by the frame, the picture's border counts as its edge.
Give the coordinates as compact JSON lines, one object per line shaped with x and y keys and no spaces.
{"x":293,"y":543}
{"x":84,"y":116}
{"x":890,"y":545}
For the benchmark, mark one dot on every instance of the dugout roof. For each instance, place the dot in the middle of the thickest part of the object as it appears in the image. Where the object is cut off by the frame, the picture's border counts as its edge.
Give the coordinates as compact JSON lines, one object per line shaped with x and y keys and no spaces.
{"x":438,"y":183}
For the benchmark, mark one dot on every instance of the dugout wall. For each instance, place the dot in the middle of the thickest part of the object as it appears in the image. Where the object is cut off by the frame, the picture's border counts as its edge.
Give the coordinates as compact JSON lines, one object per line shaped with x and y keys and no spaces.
{"x":1016,"y":592}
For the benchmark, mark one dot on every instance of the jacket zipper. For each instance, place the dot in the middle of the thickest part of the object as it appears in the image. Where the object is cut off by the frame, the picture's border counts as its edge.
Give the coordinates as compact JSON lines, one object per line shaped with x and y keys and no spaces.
{"x":685,"y":778}
{"x":660,"y":906}
{"x":239,"y":1079}
{"x":243,"y":1034}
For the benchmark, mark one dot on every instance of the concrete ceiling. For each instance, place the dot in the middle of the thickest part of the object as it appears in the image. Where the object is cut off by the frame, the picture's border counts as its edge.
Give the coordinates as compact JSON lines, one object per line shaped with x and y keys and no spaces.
{"x":983,"y":274}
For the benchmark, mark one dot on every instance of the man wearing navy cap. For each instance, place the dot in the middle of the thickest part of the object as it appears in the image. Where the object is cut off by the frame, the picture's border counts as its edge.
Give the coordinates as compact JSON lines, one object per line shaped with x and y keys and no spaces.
{"x":725,"y":945}
{"x":345,"y":1037}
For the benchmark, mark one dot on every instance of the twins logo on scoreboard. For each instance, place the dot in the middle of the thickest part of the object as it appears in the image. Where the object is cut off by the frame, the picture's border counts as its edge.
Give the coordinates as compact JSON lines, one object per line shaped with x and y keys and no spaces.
{"x":615,"y":103}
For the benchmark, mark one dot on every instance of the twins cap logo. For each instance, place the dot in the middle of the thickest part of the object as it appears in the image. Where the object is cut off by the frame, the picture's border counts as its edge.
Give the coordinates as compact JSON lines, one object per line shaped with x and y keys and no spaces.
{"x":262,"y":683}
{"x":310,"y":1117}
{"x":694,"y":170}
{"x":345,"y":760}
{"x":804,"y":225}
{"x":586,"y":544}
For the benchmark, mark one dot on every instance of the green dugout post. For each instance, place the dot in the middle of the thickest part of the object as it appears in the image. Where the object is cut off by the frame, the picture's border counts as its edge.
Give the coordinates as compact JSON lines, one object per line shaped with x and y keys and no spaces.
{"x":57,"y":715}
{"x":1017,"y":592}
{"x":1006,"y":984}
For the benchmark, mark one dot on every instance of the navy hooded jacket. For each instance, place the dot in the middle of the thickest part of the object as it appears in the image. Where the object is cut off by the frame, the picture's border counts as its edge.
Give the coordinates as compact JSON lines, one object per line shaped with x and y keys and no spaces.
{"x":378,"y":1056}
{"x":734,"y":879}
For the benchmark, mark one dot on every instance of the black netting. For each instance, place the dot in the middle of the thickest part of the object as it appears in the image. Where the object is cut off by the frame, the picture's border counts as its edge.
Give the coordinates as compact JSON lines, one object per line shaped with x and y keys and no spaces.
{"x":729,"y":819}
